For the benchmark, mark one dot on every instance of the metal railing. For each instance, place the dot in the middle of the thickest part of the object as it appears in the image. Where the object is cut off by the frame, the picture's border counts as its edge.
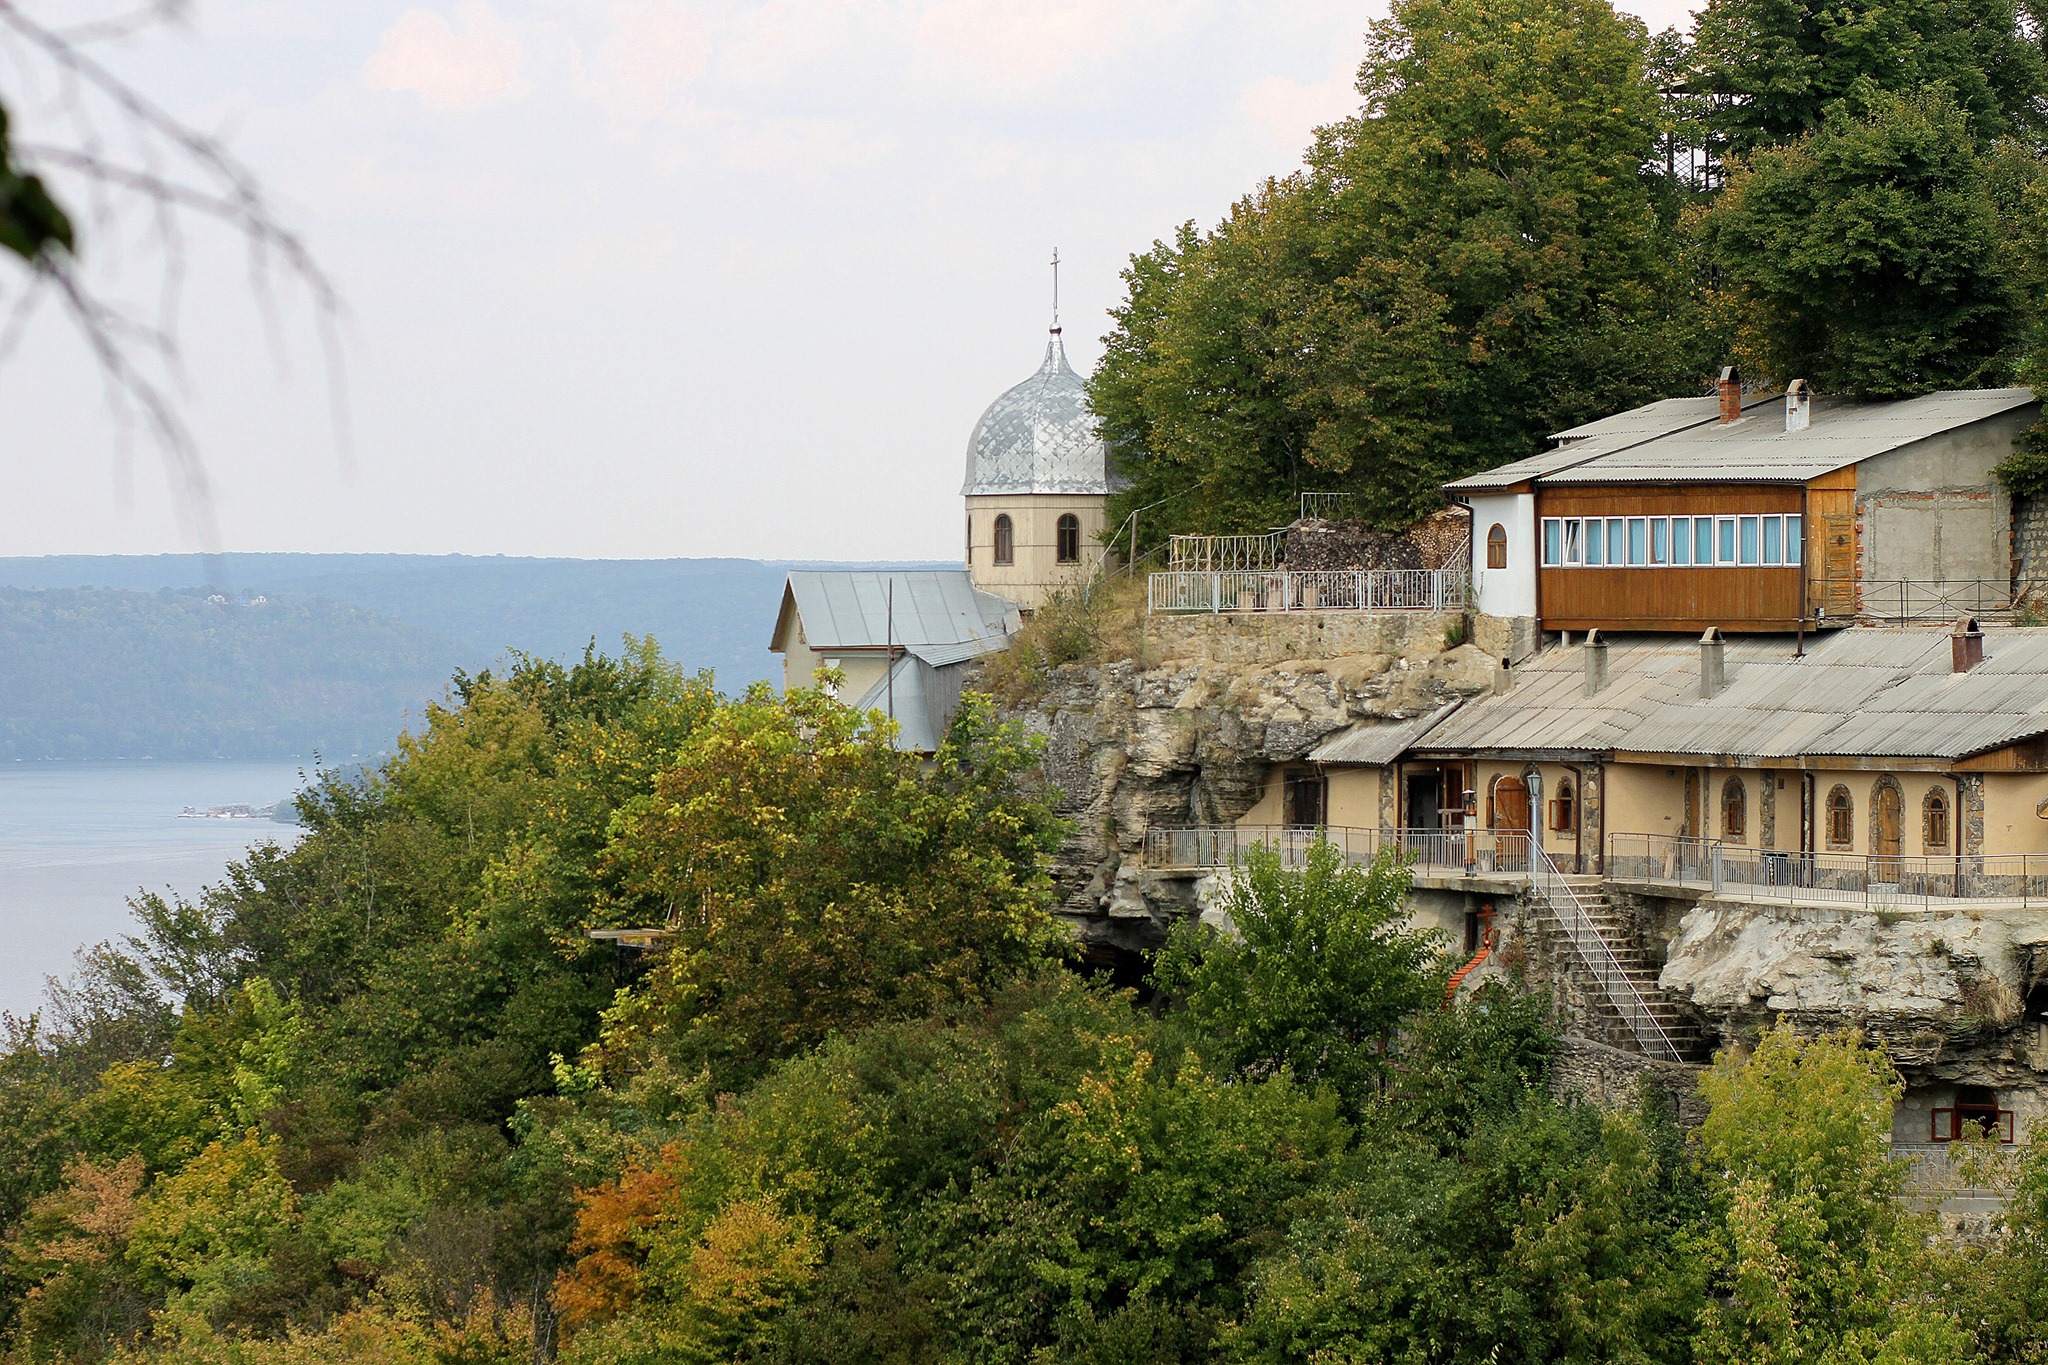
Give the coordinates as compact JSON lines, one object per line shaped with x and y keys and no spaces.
{"x":1597,"y":955}
{"x":1225,"y":554}
{"x":1511,"y":853}
{"x":1317,"y":590}
{"x":1905,"y":600}
{"x":1434,"y":850}
{"x":1324,"y":506}
{"x":1866,"y":880}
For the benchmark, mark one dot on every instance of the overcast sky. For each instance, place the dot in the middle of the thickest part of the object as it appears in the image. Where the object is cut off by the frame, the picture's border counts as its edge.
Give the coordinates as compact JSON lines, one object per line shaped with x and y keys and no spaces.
{"x":648,"y":278}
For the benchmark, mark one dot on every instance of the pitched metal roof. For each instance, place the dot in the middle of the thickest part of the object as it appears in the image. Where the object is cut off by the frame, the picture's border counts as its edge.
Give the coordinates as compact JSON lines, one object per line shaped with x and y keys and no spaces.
{"x":1377,"y":743}
{"x":1656,"y":444}
{"x":1863,"y":692}
{"x":902,"y":689}
{"x":933,"y":610}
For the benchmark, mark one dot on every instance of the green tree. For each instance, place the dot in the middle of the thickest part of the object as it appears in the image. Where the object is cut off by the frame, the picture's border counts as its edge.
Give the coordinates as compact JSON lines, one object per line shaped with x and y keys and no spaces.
{"x":1777,"y":68}
{"x":1317,"y":971}
{"x":816,"y":878}
{"x":1869,"y":257}
{"x":1813,"y":1256}
{"x":1477,"y":258}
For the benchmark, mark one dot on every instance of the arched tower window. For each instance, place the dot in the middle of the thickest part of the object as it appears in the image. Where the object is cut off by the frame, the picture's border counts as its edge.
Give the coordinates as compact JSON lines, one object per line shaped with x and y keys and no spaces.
{"x":1934,"y":820}
{"x":1070,"y":539}
{"x":1841,"y":819}
{"x":1497,"y":547}
{"x":970,"y":538}
{"x":1006,"y":541}
{"x":1734,"y":809}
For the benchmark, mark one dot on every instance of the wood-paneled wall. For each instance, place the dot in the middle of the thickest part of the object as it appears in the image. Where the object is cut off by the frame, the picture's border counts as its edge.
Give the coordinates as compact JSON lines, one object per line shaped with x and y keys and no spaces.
{"x":1681,"y":597}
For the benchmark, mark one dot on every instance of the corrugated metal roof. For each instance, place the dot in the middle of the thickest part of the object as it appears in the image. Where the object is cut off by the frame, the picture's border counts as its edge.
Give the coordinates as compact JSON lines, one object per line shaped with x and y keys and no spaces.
{"x":1864,"y":692}
{"x":938,"y":656}
{"x":1758,"y":449}
{"x":1593,"y":440}
{"x":850,"y":609}
{"x":1679,"y":440}
{"x":1377,"y":743}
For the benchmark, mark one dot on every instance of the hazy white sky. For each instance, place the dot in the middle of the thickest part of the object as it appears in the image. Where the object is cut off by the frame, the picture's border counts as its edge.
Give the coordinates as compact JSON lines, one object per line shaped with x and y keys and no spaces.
{"x":642,"y":278}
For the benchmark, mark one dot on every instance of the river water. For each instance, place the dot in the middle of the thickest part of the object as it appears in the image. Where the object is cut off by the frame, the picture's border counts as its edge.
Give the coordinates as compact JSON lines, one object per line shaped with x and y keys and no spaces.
{"x":77,"y":839}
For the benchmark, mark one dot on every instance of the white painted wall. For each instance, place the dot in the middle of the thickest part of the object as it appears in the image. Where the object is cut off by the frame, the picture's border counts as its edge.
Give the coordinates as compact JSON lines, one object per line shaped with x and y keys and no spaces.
{"x":1510,"y":591}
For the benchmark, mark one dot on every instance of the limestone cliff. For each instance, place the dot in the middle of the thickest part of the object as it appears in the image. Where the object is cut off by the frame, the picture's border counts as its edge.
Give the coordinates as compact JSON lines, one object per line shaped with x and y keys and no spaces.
{"x":1187,"y":733}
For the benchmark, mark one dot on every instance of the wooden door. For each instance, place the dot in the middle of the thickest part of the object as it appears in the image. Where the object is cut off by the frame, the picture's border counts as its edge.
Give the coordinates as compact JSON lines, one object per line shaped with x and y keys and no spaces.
{"x":1511,"y":817}
{"x":1838,"y":564}
{"x":1887,"y":816}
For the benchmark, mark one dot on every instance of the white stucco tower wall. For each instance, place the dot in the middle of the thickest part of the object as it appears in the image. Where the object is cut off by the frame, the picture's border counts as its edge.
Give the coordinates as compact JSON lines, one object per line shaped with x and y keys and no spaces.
{"x":1508,"y":591}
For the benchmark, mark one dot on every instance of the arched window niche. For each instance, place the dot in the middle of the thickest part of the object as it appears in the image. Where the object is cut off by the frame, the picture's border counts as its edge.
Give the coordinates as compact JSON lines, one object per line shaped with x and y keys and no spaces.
{"x":1734,"y":810}
{"x":1006,"y":540}
{"x":1069,"y":542}
{"x":1497,"y":547}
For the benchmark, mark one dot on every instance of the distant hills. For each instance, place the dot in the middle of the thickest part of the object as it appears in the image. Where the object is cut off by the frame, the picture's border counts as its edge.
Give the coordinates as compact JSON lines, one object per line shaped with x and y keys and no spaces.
{"x":126,"y":656}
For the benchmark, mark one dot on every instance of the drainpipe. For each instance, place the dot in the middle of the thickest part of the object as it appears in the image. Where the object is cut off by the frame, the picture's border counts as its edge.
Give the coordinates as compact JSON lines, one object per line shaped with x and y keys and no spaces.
{"x":1955,"y":820}
{"x":1578,"y":816}
{"x":1800,"y":651}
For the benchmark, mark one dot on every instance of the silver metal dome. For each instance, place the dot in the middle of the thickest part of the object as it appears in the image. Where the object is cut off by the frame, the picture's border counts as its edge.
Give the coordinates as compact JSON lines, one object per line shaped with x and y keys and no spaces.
{"x":1039,"y":437}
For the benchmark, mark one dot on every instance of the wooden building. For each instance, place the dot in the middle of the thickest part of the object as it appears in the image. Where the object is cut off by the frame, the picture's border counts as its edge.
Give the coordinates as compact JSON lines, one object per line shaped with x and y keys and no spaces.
{"x":1754,"y":513}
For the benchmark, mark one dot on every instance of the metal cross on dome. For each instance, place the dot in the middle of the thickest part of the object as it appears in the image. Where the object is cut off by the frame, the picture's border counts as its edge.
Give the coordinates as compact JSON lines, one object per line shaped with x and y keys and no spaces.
{"x":1055,"y":291}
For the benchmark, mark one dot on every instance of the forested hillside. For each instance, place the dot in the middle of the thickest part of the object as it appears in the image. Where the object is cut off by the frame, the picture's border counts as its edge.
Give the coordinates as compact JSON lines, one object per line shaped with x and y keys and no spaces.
{"x":379,"y":1099}
{"x":99,"y":673}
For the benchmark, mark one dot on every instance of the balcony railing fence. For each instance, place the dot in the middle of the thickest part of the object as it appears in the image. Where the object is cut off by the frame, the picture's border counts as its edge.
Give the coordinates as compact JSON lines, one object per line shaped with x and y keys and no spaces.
{"x":1903,"y":601}
{"x":1511,"y":852}
{"x":1454,"y":850}
{"x":1866,"y":880}
{"x":1225,"y":554}
{"x":1316,"y":590}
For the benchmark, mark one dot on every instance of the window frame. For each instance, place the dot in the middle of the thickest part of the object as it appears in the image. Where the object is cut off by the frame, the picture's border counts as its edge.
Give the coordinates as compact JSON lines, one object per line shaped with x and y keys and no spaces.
{"x":1496,"y":539}
{"x":1067,"y":525}
{"x":1735,"y":801}
{"x":1830,"y":823}
{"x":1003,"y":538}
{"x":1553,"y":542}
{"x":1934,"y":807}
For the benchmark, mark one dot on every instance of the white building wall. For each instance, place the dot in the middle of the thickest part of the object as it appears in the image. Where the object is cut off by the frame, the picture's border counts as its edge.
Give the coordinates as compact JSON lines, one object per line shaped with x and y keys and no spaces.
{"x":1510,"y":591}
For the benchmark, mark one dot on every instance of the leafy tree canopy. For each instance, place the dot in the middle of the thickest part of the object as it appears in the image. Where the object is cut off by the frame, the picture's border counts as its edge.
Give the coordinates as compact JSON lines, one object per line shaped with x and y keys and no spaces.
{"x":1778,"y":68}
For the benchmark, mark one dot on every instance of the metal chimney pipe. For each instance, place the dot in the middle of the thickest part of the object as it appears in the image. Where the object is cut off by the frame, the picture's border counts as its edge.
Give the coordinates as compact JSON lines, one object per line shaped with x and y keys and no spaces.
{"x":1596,"y":663}
{"x":1713,"y":662}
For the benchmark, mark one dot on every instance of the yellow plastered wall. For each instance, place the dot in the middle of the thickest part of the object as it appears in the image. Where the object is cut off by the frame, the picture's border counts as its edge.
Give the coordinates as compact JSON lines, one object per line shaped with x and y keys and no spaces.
{"x":1355,"y":797}
{"x":2011,"y":801}
{"x":1644,"y":798}
{"x":1034,"y":570}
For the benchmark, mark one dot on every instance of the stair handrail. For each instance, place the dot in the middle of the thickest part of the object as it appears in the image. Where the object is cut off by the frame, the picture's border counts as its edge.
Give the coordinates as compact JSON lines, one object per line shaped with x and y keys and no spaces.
{"x":1548,"y":883}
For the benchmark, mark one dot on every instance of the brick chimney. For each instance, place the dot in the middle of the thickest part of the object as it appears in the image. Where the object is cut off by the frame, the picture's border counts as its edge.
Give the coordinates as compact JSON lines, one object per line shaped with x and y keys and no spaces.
{"x":1596,"y":663}
{"x":1730,"y":389}
{"x":1798,"y":406}
{"x":1713,"y":662}
{"x":1966,"y":645}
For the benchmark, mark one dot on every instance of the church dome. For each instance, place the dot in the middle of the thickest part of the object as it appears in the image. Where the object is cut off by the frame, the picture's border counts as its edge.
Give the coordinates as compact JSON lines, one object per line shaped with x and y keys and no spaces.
{"x":1039,"y":437}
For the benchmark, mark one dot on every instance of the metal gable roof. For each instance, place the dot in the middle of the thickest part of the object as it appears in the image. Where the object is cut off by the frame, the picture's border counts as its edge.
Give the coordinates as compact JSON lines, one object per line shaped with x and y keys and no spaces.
{"x":851,"y":609}
{"x":1679,"y":440}
{"x":1757,"y":449}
